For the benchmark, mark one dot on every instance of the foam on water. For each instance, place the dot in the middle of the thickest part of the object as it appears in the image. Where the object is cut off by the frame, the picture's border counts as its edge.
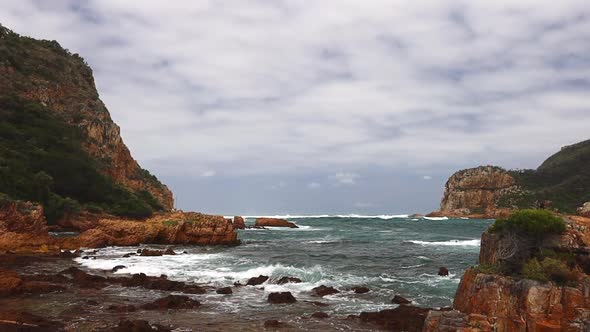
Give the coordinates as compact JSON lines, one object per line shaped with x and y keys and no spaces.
{"x":460,"y":243}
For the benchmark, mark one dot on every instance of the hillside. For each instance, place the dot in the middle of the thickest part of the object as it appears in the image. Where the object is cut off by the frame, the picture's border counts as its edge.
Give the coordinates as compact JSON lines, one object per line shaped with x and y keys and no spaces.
{"x":489,"y":191}
{"x":58,"y":143}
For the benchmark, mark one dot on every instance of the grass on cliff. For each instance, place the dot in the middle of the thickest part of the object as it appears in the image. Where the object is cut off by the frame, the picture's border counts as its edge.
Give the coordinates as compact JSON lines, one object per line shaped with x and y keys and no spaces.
{"x":42,"y":160}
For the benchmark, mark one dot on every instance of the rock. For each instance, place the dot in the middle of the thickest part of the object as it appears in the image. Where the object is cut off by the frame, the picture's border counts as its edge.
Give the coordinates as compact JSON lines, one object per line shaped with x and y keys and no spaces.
{"x":475,"y":192}
{"x":320,"y":315}
{"x":274,"y":222}
{"x":443,"y":271}
{"x":322,"y":291}
{"x":584,"y":210}
{"x":68,"y":254}
{"x":224,"y":290}
{"x":40,"y":287}
{"x":23,"y":228}
{"x":139,"y":251}
{"x":121,"y":308}
{"x":169,"y":251}
{"x":128,"y":255}
{"x":172,"y":302}
{"x":20,"y":321}
{"x":285,"y":280}
{"x":85,"y":280}
{"x":239,"y":222}
{"x":360,"y":289}
{"x":416,"y":215}
{"x":139,"y":326}
{"x":255,"y":281}
{"x":273,"y":323}
{"x":402,"y":318}
{"x":10,"y":283}
{"x":160,"y":283}
{"x":150,"y":252}
{"x":117,"y":268}
{"x":281,"y":298}
{"x":400,"y":300}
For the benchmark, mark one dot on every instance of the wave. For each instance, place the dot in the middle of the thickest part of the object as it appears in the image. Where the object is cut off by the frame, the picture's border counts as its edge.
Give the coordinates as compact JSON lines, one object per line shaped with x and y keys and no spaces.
{"x":436,"y":218}
{"x":355,"y":216}
{"x":463,"y":243}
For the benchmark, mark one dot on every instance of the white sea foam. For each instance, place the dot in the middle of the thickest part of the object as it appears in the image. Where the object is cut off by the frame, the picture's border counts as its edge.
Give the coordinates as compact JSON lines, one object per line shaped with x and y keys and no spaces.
{"x":462,"y":243}
{"x":436,"y":218}
{"x":359,"y":216}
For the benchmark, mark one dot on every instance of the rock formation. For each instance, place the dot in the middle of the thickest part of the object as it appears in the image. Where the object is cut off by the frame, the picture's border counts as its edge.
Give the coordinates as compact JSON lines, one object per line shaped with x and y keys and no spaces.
{"x":274,"y":222}
{"x":584,"y":210}
{"x":23,"y":227}
{"x":239,"y":222}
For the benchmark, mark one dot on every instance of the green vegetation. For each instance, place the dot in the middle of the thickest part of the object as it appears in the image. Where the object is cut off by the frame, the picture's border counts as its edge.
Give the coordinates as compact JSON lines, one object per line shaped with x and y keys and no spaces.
{"x":564,"y":179}
{"x":170,"y":223}
{"x":532,"y":222}
{"x":549,"y":269}
{"x":42,"y":160}
{"x":490,"y":268}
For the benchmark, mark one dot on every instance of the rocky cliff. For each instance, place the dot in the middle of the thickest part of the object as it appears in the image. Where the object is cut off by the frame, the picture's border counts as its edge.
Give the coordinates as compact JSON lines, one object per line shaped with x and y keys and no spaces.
{"x":476,"y":192}
{"x":492,"y":301}
{"x":43,"y":72}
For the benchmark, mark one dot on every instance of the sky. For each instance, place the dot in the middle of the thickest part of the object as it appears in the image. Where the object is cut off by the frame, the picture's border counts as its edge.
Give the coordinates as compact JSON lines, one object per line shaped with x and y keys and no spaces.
{"x":313,"y":107}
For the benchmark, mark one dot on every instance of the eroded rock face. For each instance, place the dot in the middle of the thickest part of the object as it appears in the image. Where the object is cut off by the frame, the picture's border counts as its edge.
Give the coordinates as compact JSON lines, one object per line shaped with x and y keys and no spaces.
{"x":239,"y":222}
{"x":168,"y":228}
{"x":274,"y":222}
{"x":584,"y":210}
{"x":476,"y":192}
{"x":23,"y":227}
{"x":66,"y":86}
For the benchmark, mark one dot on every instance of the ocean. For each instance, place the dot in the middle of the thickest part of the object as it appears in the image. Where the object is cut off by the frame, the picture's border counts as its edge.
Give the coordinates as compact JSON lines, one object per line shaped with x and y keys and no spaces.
{"x":391,"y":255}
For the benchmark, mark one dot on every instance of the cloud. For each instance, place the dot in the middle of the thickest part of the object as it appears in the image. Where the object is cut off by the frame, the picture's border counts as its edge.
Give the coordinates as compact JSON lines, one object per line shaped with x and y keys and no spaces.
{"x":313,"y":185}
{"x":427,"y":177}
{"x":208,"y":173}
{"x":345,"y":177}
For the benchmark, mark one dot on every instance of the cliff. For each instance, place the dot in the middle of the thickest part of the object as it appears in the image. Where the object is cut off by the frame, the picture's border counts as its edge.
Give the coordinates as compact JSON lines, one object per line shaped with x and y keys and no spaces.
{"x":488,"y":299}
{"x":561,"y":182}
{"x":45,"y":92}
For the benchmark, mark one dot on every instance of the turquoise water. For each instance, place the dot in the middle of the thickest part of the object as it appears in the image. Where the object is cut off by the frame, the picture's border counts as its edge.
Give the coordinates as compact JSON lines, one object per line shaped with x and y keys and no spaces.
{"x":389,"y":255}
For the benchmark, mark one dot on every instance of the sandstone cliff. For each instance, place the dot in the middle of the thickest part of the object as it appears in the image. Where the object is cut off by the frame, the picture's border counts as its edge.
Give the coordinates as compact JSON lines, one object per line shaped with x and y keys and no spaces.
{"x":476,"y":192}
{"x":43,"y":72}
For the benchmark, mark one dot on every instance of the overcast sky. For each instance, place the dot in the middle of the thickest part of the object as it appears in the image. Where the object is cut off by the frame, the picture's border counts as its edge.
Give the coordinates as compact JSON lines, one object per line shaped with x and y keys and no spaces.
{"x":305,"y":107}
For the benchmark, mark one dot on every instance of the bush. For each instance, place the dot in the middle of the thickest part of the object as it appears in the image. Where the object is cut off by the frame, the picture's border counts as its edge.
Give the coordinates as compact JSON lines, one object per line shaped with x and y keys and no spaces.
{"x":532,"y":222}
{"x":549,"y":269}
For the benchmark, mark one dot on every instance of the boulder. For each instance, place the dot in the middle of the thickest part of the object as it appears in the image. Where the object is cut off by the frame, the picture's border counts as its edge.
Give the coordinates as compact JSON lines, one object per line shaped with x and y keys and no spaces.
{"x":443,"y":271}
{"x":239,"y":222}
{"x":224,"y":291}
{"x":255,"y":281}
{"x":281,"y":298}
{"x":322,"y":291}
{"x":172,"y":302}
{"x":360,"y":289}
{"x":169,"y":251}
{"x":584,"y":210}
{"x":400,"y":300}
{"x":273,"y":323}
{"x":160,"y":283}
{"x":117,"y":268}
{"x":320,"y":315}
{"x":402,"y":318}
{"x":286,"y":280}
{"x":274,"y":222}
{"x":121,"y":308}
{"x":10,"y":283}
{"x":150,"y":252}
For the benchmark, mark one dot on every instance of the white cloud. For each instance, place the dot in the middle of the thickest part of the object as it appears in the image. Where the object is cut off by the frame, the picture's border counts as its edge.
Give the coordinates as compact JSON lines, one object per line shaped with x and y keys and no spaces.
{"x":345,"y":177}
{"x":208,"y":173}
{"x":313,"y":185}
{"x":427,"y":177}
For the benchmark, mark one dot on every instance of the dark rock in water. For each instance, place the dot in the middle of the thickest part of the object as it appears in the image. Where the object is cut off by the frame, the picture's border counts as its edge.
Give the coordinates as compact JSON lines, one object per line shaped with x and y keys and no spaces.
{"x":117,"y":268}
{"x":320,"y":315}
{"x":85,"y":280}
{"x":68,"y":254}
{"x":138,"y":251}
{"x":274,"y":222}
{"x":282,"y":297}
{"x":400,"y":300}
{"x":40,"y":287}
{"x":403,"y":318}
{"x":273,"y":323}
{"x":149,"y":252}
{"x":238,"y":284}
{"x":139,"y":326}
{"x":128,"y":255}
{"x":20,"y":321}
{"x":257,"y":281}
{"x":224,"y":291}
{"x":352,"y":317}
{"x":360,"y":289}
{"x":169,"y":251}
{"x":163,"y":276}
{"x":443,"y":271}
{"x":322,"y":291}
{"x":85,"y":257}
{"x":91,"y":302}
{"x":161,"y":283}
{"x":286,"y":280}
{"x":121,"y":308}
{"x":239,"y":222}
{"x":172,"y":302}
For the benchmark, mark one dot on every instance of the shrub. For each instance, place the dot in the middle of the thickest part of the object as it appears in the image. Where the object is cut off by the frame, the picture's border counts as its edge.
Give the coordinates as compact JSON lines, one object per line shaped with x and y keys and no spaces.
{"x":532,"y":222}
{"x":533,"y":270}
{"x":549,"y":269}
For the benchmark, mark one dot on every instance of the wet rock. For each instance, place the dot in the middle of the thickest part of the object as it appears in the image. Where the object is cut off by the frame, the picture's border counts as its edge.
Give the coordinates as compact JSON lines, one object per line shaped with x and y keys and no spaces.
{"x":10,"y":282}
{"x":69,"y":254}
{"x":238,"y":284}
{"x":128,"y":255}
{"x":139,"y":326}
{"x":224,"y":291}
{"x":400,"y":300}
{"x":286,"y":280}
{"x":281,"y":298}
{"x":172,"y":302}
{"x":403,"y":318}
{"x":40,"y":287}
{"x":443,"y":271}
{"x":273,"y":323}
{"x":20,"y":321}
{"x":274,"y":222}
{"x":86,"y":257}
{"x":360,"y":289}
{"x":322,"y":291}
{"x":150,"y":252}
{"x":320,"y":315}
{"x":91,"y":302}
{"x":239,"y":222}
{"x":255,"y":281}
{"x":121,"y":308}
{"x":139,"y":251}
{"x":161,"y":283}
{"x":117,"y":268}
{"x":85,"y":280}
{"x":169,"y":251}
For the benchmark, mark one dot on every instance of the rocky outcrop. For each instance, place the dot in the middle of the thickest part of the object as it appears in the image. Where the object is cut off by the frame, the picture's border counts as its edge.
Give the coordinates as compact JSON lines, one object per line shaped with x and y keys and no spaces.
{"x":239,"y":222}
{"x":169,"y":228}
{"x":475,"y":192}
{"x":274,"y":222}
{"x":49,"y":75}
{"x":584,"y":210}
{"x":23,"y":227}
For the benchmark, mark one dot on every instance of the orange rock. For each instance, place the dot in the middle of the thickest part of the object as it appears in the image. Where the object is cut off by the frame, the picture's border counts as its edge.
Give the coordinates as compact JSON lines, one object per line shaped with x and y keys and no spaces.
{"x":274,"y":222}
